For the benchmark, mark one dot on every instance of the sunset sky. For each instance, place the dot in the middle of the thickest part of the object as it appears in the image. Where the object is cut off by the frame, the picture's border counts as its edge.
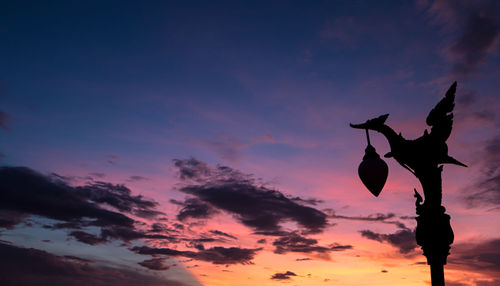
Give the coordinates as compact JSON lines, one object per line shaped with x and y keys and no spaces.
{"x":208,"y":143}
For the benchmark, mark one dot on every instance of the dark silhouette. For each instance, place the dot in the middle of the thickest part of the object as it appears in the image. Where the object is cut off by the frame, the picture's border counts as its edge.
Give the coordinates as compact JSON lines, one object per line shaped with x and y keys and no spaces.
{"x":424,"y":157}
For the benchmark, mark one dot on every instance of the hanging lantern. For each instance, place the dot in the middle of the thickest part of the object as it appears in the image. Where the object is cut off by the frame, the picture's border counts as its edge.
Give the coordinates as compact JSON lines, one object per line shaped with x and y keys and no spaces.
{"x":373,"y":171}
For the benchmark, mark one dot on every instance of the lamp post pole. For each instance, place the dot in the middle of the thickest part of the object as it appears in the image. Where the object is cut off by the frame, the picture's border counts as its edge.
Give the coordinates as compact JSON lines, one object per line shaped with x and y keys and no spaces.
{"x":424,"y":158}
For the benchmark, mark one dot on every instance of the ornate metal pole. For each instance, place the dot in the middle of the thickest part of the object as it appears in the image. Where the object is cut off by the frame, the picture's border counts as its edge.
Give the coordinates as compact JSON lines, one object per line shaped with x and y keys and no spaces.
{"x":424,"y":157}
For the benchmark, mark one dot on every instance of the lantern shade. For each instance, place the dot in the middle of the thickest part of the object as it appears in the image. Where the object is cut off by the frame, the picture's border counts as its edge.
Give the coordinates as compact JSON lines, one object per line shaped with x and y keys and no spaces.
{"x":373,"y":171}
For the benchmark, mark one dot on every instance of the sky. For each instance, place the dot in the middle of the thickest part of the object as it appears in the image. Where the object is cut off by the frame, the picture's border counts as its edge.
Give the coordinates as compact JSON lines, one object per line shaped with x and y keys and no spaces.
{"x":208,"y":142}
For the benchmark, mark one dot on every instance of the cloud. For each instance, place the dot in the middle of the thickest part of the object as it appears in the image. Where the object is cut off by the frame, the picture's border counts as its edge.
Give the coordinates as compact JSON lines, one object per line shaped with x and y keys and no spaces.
{"x":479,"y":257}
{"x":87,"y":238}
{"x":9,"y":219}
{"x":294,"y":242}
{"x":192,"y":169}
{"x":312,"y":202}
{"x":28,"y":266}
{"x":194,"y":208}
{"x":128,"y":234}
{"x":378,"y":217}
{"x":479,"y":29}
{"x":403,"y":239}
{"x":25,"y":192}
{"x":283,"y":276}
{"x":136,"y":178}
{"x":372,"y":217}
{"x":272,"y":232}
{"x":221,"y":233}
{"x":489,"y":186}
{"x":154,"y":264}
{"x":162,"y":227}
{"x":476,"y":110}
{"x":119,"y":197}
{"x":251,"y":203}
{"x":303,"y":259}
{"x":216,"y":255}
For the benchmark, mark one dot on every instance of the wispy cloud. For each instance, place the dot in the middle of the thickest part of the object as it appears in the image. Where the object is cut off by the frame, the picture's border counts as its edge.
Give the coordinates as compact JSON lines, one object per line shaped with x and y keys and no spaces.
{"x":478,"y":27}
{"x":488,"y":187}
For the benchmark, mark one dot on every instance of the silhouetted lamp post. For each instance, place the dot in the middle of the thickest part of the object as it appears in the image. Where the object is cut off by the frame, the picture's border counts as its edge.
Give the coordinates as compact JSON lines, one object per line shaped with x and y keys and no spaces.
{"x":423,"y":157}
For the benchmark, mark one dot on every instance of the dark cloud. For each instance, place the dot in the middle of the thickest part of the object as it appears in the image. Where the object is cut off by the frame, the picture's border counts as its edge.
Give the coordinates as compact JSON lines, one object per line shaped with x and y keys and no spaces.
{"x":194,"y":208}
{"x":118,"y":233}
{"x":378,"y":217}
{"x":263,"y":240}
{"x":283,"y":276}
{"x":487,"y":282}
{"x":198,"y":242}
{"x":303,"y":259}
{"x":27,"y":266}
{"x":372,"y":217}
{"x":479,"y":35}
{"x":456,"y":283}
{"x":178,"y":226}
{"x":471,"y":106}
{"x":294,"y":242}
{"x":312,"y":202}
{"x":154,"y":264}
{"x":216,"y":255}
{"x":272,"y":232}
{"x":164,"y":228}
{"x":479,"y":28}
{"x":403,"y":239}
{"x":192,"y":169}
{"x":489,"y":186}
{"x":128,"y":234}
{"x":25,"y":192}
{"x":4,"y":119}
{"x":87,"y":238}
{"x":479,"y":257}
{"x":221,"y":233}
{"x":254,"y":205}
{"x":9,"y":219}
{"x":117,"y":196}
